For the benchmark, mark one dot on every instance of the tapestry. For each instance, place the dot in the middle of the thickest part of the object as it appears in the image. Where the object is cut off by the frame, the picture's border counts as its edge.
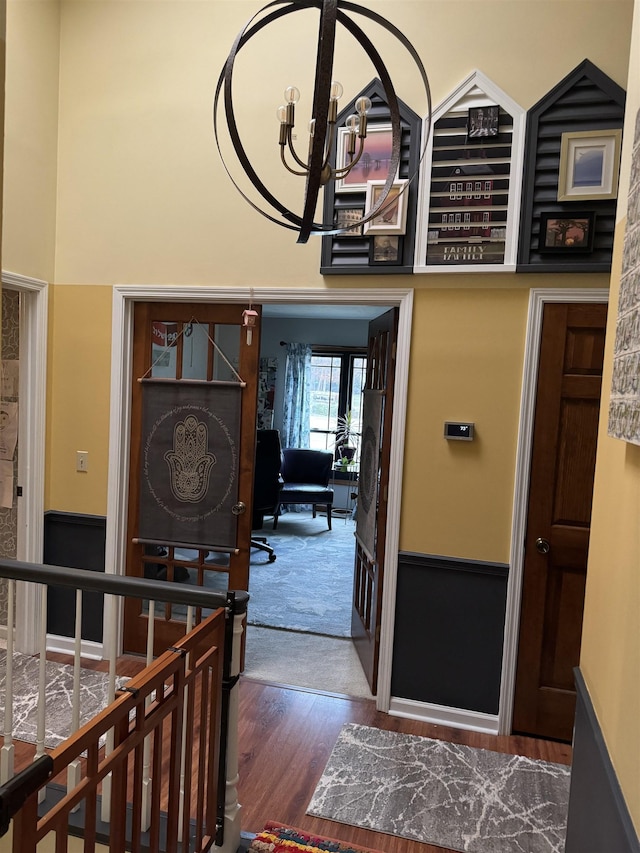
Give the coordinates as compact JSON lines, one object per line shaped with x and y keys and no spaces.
{"x":369,"y":471}
{"x":624,"y":405}
{"x":189,"y":477}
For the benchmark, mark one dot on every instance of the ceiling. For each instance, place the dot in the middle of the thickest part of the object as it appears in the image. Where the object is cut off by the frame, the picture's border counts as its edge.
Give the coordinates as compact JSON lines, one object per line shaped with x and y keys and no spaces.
{"x":318,"y":311}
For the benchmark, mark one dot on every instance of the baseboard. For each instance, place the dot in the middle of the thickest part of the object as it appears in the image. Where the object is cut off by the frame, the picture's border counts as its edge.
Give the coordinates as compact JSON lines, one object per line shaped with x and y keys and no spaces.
{"x":598,"y":818}
{"x":456,"y":718}
{"x":66,"y":646}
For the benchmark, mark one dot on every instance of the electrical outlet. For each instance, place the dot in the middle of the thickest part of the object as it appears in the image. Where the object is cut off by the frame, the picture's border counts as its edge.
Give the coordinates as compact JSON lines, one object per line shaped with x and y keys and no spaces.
{"x":82,"y":460}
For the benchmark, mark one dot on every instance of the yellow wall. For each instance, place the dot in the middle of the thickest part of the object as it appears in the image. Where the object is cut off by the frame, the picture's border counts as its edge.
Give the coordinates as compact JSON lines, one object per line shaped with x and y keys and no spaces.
{"x":31,"y":132}
{"x":610,"y":660}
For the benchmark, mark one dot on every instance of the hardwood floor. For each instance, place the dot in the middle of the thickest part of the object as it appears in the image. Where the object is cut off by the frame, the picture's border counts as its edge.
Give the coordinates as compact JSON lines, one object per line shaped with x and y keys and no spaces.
{"x":285,"y":739}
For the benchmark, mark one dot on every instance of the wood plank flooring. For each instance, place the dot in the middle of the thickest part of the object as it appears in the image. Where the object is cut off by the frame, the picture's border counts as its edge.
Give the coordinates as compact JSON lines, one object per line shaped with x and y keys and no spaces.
{"x":286,"y":736}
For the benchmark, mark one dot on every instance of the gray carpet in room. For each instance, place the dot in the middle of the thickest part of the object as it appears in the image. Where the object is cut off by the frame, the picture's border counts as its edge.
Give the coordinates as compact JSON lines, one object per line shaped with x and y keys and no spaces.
{"x":459,"y":797}
{"x":309,"y":586}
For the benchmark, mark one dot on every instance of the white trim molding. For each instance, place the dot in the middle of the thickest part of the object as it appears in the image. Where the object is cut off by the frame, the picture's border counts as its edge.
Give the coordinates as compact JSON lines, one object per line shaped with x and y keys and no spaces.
{"x":441,"y":715}
{"x":31,"y":457}
{"x":124,"y":299}
{"x":538,"y":298}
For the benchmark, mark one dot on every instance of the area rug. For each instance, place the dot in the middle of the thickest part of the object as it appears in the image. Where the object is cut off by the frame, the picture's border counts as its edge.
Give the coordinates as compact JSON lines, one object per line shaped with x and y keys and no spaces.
{"x":309,"y":587}
{"x":94,"y":695}
{"x":453,"y":796}
{"x":276,"y":838}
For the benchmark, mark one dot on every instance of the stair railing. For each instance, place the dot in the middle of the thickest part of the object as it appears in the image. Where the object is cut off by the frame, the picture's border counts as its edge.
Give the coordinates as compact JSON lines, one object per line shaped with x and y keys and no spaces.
{"x":191,"y":799}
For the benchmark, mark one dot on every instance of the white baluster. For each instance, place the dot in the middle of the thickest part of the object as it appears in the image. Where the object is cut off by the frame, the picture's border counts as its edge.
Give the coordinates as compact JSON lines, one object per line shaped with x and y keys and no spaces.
{"x":74,"y":770}
{"x":146,"y":753}
{"x":232,"y":808}
{"x":7,"y":752}
{"x":105,"y":808}
{"x":42,"y":686}
{"x":183,"y":756}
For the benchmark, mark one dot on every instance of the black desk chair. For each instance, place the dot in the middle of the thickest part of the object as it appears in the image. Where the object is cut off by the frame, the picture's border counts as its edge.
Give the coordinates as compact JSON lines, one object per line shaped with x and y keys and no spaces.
{"x":306,"y":474}
{"x":266,"y":485}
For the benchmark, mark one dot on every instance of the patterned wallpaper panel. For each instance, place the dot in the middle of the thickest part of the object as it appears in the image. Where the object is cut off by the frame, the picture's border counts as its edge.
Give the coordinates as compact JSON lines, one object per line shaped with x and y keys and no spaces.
{"x":10,"y":353}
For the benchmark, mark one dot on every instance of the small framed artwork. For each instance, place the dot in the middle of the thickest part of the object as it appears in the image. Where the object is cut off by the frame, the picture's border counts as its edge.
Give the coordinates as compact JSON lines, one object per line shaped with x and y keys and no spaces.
{"x":385,"y":249}
{"x":374,"y":162}
{"x":392,"y":216}
{"x":349,"y":219}
{"x":589,"y":165}
{"x":483,"y":122}
{"x":566,"y":233}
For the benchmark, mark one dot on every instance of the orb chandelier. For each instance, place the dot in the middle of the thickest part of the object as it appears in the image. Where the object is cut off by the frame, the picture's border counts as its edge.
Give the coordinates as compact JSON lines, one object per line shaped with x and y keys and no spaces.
{"x":317,"y":168}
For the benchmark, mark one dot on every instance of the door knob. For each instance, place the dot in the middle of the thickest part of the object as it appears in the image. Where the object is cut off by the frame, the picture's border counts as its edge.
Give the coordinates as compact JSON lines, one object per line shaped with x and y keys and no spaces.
{"x":542,"y":545}
{"x":239,"y":508}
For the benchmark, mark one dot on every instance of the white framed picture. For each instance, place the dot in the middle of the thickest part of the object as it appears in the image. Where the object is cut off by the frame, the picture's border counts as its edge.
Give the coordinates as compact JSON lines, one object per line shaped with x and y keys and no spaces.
{"x":589,"y":165}
{"x":392,"y":216}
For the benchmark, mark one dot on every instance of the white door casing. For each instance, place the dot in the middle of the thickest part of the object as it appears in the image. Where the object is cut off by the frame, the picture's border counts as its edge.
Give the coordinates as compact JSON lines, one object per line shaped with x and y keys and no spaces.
{"x":124,"y":298}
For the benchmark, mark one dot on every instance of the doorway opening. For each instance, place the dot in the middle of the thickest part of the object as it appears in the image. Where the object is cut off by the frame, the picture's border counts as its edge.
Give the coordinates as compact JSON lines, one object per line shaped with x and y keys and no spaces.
{"x":125,"y":298}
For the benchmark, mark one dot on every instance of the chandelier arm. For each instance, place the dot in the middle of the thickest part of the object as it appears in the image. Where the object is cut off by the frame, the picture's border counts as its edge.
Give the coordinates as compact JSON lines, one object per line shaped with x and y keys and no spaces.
{"x":288,"y":167}
{"x":293,"y":153}
{"x":341,"y":173}
{"x":320,"y":112}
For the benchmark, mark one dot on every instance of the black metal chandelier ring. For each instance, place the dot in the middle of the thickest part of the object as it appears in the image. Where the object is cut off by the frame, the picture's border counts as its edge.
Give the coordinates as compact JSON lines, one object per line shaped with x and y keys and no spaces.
{"x":330,"y":13}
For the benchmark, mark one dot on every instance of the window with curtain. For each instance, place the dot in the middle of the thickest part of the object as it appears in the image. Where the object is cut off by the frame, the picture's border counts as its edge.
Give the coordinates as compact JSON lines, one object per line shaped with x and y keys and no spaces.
{"x":336,"y":381}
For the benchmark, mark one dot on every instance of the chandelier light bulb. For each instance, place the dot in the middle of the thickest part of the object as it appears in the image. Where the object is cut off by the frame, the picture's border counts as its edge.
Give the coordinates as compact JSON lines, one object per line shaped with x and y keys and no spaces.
{"x":352,"y":123}
{"x":292,"y":95}
{"x":363,"y":105}
{"x":336,"y":90}
{"x":281,"y":113}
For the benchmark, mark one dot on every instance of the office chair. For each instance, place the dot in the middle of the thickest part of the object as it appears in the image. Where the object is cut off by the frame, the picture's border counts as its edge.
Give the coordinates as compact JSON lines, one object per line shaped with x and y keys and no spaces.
{"x":266,"y":485}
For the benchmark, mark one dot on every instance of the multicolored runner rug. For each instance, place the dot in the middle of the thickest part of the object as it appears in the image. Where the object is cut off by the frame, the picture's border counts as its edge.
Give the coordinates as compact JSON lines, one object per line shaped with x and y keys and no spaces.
{"x":276,"y":838}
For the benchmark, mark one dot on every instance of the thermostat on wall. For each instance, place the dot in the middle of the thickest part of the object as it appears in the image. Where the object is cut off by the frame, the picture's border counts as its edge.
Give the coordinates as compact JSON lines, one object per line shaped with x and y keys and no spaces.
{"x":457,"y":431}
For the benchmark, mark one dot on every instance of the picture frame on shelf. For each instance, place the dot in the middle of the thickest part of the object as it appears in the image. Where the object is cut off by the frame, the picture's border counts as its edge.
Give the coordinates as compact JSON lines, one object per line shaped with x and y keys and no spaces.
{"x":349,"y":219}
{"x":589,"y":165}
{"x":385,"y":249}
{"x":373,"y":163}
{"x":566,"y":233}
{"x":392,"y":217}
{"x":483,"y":122}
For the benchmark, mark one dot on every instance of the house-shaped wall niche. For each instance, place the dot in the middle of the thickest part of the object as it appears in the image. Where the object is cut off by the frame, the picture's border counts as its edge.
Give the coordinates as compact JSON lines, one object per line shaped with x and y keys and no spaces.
{"x":363,"y":253}
{"x":470,"y":184}
{"x":585,"y":101}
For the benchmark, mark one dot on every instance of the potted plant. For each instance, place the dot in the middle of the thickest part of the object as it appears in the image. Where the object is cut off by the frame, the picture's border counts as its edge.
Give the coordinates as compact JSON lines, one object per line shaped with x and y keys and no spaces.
{"x":346,"y":440}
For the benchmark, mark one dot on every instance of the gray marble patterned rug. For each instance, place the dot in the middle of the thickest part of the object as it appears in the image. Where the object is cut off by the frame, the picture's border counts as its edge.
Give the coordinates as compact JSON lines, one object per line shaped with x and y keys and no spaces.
{"x":458,"y":797}
{"x":94,"y":693}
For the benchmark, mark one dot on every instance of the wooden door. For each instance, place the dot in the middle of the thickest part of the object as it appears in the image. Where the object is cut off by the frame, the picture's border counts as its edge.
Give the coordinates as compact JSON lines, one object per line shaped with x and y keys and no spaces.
{"x":559,"y":515}
{"x":206,"y":346}
{"x":371,"y":515}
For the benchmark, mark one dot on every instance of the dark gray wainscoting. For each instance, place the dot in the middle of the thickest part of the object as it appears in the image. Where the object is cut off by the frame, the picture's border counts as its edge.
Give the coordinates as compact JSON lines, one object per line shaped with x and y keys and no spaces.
{"x":449,"y":631}
{"x":598,"y":818}
{"x":77,"y":541}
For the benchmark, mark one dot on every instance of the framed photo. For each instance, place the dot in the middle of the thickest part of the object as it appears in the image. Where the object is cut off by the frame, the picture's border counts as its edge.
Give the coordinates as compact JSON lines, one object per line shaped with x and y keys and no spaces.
{"x":483,"y":122}
{"x":349,"y":219}
{"x":385,"y":249}
{"x":374,"y":163}
{"x":566,"y":233}
{"x":589,"y":165}
{"x":392,"y":216}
